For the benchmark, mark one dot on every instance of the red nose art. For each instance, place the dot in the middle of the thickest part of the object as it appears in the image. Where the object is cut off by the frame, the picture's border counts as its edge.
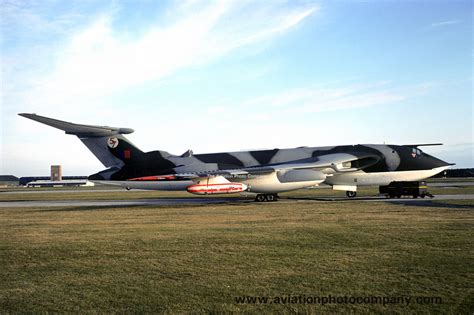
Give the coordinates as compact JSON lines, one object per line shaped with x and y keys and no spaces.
{"x":211,"y":189}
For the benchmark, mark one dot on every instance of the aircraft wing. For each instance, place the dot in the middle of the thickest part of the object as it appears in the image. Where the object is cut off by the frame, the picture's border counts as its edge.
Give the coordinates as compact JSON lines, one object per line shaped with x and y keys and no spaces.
{"x":326,"y":164}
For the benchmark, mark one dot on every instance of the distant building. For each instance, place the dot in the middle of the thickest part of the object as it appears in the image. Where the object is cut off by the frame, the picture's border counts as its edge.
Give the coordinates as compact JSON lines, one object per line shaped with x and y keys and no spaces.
{"x":8,"y":180}
{"x":46,"y":181}
{"x":60,"y":183}
{"x":55,"y":180}
{"x":56,"y":173}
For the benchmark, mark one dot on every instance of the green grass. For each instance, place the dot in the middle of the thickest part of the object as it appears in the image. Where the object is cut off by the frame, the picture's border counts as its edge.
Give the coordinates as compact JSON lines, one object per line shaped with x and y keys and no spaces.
{"x":200,"y":258}
{"x":96,"y":195}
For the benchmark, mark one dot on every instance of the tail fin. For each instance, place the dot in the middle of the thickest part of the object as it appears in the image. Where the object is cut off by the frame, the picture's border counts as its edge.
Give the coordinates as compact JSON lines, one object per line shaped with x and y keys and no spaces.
{"x":107,"y":143}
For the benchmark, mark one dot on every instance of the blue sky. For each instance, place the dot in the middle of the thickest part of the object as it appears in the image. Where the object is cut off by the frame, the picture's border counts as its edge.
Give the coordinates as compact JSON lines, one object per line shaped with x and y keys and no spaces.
{"x":229,"y":76}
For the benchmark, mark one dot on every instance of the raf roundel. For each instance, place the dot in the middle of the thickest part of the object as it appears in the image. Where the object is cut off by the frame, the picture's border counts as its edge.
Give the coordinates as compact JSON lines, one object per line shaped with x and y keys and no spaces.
{"x":112,"y":142}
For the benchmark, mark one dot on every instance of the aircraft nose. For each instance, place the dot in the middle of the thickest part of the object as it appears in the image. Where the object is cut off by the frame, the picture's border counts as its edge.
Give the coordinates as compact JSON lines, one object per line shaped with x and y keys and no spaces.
{"x":435,"y":162}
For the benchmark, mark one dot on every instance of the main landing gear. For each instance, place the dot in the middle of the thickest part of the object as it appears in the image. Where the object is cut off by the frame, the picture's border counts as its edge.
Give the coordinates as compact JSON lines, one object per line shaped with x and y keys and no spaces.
{"x":266,"y":197}
{"x":351,"y":194}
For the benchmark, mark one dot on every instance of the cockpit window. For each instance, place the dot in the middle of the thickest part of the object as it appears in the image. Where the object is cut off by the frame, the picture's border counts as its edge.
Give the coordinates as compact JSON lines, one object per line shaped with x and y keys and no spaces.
{"x":415,"y":152}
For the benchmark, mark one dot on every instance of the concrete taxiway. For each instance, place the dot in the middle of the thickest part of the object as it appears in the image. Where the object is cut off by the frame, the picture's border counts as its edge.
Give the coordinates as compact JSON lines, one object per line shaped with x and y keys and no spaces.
{"x":97,"y":190}
{"x":379,"y":198}
{"x":206,"y":201}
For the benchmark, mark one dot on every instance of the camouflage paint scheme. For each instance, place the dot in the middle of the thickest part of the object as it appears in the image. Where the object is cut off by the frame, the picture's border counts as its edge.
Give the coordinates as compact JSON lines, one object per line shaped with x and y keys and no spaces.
{"x":264,"y":171}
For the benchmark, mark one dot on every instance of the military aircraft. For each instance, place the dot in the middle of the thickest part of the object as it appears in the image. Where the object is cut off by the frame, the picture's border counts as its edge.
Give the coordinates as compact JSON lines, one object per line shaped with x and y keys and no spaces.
{"x":263,"y":172}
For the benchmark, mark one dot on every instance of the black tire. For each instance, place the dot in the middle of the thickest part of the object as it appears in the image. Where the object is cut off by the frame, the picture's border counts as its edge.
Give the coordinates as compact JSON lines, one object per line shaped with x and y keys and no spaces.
{"x":270,"y":197}
{"x":351,"y":194}
{"x":260,"y":198}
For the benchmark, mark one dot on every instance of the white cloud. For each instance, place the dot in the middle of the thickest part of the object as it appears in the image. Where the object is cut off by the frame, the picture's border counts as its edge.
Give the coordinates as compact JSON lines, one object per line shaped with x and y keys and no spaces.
{"x":328,"y":98}
{"x":97,"y":61}
{"x":445,"y":23}
{"x":72,"y":77}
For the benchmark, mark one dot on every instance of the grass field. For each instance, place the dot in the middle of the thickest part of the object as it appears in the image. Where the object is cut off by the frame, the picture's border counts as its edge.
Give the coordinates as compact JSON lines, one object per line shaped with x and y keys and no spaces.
{"x":204,"y":258}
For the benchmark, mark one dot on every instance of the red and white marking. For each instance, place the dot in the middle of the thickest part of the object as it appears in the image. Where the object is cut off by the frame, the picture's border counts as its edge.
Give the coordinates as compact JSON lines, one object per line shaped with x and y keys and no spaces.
{"x":154,"y":178}
{"x":211,"y":189}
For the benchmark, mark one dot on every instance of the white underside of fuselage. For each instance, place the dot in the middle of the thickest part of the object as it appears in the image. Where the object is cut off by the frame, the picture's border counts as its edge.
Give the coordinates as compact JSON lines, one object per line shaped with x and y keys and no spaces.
{"x":150,"y":185}
{"x":361,"y":178}
{"x":269,"y":183}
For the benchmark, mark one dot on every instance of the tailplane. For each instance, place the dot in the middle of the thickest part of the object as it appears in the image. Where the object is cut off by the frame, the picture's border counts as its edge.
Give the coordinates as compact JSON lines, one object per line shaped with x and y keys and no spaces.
{"x":107,"y":143}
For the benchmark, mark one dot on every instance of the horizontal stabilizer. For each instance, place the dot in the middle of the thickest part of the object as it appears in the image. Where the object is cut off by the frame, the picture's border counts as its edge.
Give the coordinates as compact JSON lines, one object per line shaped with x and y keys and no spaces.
{"x":82,"y":131}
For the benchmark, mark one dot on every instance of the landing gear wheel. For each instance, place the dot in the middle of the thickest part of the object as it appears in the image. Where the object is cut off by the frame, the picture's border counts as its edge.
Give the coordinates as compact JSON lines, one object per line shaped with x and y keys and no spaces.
{"x":272,"y":197}
{"x":351,"y":194}
{"x":266,"y":197}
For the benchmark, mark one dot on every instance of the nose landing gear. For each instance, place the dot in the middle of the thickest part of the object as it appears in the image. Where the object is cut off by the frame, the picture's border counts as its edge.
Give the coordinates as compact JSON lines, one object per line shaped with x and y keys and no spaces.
{"x":351,"y":194}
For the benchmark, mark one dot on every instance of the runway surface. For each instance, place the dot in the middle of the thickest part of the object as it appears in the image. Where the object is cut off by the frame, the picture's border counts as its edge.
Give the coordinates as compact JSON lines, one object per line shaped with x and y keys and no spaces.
{"x":451,"y":184}
{"x":62,"y":191}
{"x":206,"y":201}
{"x":378,"y":198}
{"x":322,"y":186}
